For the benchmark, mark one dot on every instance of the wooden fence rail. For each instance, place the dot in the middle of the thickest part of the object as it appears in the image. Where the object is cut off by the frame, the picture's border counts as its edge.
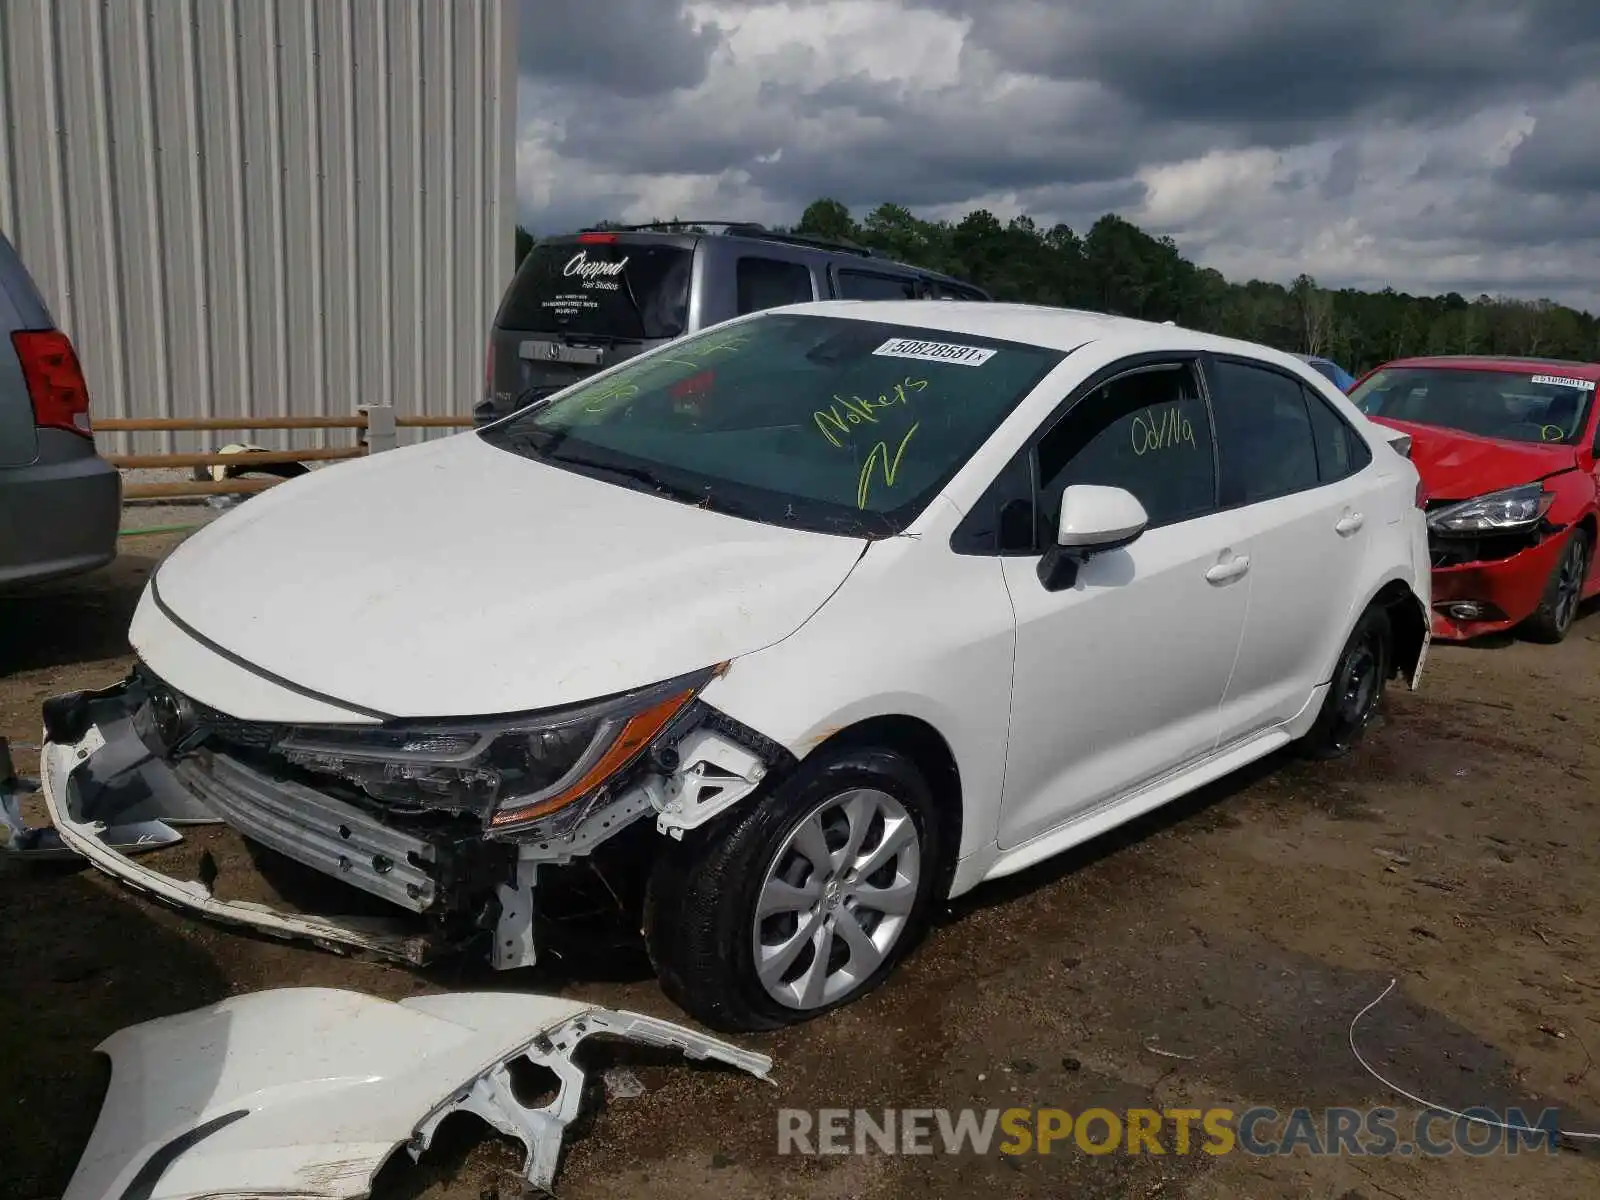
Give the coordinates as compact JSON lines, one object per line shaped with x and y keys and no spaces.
{"x":146,"y":424}
{"x":375,"y":426}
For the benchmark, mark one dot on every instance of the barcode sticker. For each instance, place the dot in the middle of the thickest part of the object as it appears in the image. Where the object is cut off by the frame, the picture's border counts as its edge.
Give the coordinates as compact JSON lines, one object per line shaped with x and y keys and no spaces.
{"x":945,"y":352}
{"x":1583,"y":385}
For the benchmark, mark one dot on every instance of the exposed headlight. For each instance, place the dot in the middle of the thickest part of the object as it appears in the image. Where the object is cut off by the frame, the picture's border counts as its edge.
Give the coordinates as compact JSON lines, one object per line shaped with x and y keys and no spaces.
{"x":1498,"y":512}
{"x":511,"y":770}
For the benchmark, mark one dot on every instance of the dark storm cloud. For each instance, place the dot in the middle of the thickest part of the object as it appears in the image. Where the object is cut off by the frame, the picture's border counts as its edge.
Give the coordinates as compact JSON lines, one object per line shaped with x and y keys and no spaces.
{"x":1344,"y":172}
{"x":1562,"y":154}
{"x":874,"y":140}
{"x":624,"y":47}
{"x":1390,"y":121}
{"x":1286,"y":72}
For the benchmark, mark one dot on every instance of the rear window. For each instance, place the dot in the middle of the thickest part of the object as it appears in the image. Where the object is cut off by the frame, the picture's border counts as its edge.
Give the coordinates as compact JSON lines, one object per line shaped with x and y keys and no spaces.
{"x":815,"y":422}
{"x":1545,"y":406}
{"x":627,"y":290}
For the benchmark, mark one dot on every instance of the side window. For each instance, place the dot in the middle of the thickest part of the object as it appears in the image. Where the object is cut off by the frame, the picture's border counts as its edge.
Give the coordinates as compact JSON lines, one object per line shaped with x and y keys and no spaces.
{"x":954,"y":291}
{"x":1341,"y":451}
{"x":1147,"y":431}
{"x":1264,"y":438}
{"x":862,"y":285}
{"x":771,"y":282}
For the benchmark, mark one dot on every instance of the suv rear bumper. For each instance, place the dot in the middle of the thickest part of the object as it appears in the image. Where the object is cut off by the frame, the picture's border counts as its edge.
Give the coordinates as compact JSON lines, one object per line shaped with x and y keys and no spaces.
{"x":68,"y":505}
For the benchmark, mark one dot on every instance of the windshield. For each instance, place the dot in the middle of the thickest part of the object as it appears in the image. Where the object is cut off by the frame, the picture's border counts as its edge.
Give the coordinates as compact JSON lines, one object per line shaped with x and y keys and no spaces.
{"x":615,"y":290}
{"x":1512,"y":407}
{"x":816,"y":422}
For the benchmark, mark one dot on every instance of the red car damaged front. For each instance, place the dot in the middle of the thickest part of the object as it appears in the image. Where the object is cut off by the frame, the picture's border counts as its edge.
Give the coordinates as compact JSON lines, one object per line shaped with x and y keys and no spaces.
{"x":1507,"y":453}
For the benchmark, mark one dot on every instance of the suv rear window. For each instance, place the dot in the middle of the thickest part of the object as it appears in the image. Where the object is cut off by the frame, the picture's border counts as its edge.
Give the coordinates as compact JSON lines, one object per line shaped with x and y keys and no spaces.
{"x":621,"y":289}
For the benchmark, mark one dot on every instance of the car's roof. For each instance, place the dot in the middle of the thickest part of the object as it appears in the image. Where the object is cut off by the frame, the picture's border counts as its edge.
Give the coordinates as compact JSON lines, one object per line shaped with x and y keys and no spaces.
{"x":688,"y":233}
{"x":1510,"y":365}
{"x":1036,"y":324}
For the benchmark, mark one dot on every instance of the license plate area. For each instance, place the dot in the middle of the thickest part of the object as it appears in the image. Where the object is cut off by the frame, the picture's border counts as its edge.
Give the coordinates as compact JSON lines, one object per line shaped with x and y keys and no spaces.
{"x":559,"y":352}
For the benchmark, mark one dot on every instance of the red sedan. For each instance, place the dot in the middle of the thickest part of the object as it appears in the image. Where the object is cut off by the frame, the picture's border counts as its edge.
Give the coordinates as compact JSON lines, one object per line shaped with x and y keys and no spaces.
{"x":1507,"y":449}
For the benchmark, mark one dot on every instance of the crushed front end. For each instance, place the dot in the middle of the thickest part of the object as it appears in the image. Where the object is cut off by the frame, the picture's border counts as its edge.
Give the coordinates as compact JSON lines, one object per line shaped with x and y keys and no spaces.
{"x":1492,"y":557}
{"x":449,"y":822}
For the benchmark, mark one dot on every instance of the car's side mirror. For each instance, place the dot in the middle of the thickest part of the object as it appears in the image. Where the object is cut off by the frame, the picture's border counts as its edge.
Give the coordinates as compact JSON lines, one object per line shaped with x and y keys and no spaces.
{"x":1094,"y":519}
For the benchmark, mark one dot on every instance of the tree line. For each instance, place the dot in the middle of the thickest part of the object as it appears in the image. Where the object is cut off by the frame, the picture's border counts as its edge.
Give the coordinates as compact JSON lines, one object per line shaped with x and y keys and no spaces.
{"x":1116,"y":267}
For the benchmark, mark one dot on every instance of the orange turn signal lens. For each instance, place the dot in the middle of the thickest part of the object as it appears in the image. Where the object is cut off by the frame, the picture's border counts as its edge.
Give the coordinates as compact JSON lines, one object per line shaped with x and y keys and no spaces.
{"x":641,"y":729}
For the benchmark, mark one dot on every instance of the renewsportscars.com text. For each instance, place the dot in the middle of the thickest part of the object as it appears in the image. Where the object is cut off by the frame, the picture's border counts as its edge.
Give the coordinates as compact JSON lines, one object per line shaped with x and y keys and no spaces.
{"x":1362,"y":1132}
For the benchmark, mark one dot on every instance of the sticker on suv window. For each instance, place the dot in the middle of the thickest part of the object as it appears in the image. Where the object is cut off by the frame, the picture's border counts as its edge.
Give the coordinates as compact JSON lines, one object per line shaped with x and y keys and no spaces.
{"x":945,"y":352}
{"x":1584,"y":385}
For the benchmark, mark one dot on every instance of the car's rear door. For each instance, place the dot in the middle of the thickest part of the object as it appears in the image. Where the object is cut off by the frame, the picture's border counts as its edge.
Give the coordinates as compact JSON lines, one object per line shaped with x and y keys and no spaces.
{"x":1299,"y":482}
{"x":1119,"y":676}
{"x":581,"y":303}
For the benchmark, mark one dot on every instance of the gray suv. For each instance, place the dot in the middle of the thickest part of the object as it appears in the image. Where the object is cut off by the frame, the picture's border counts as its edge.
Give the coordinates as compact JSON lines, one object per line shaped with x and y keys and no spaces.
{"x":60,"y":502}
{"x":589,"y":300}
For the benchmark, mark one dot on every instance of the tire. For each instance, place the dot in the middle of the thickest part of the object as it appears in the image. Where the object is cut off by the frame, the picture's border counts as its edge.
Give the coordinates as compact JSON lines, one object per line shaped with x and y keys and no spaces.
{"x":700,"y":920}
{"x":1359,"y":678}
{"x":1563,"y":592}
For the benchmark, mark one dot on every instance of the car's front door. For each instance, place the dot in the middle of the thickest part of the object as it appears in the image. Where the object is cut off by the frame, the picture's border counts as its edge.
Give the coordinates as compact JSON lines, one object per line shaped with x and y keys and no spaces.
{"x":1119,"y":676}
{"x":1299,"y":491}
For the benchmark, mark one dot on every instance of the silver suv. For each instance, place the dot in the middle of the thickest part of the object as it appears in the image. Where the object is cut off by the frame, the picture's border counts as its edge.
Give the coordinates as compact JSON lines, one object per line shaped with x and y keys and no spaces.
{"x":60,"y":502}
{"x":589,"y":300}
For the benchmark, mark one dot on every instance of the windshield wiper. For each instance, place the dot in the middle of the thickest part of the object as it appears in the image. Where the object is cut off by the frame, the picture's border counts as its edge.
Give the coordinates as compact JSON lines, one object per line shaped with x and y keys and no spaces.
{"x":645,"y":475}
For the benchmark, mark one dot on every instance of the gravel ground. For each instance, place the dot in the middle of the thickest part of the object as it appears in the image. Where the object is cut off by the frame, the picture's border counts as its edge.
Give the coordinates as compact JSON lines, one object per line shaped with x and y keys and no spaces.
{"x":1240,"y":929}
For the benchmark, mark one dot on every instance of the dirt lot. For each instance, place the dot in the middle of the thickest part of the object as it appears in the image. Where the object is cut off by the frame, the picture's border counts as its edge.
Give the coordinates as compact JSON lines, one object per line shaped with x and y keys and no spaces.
{"x":1242,"y":930}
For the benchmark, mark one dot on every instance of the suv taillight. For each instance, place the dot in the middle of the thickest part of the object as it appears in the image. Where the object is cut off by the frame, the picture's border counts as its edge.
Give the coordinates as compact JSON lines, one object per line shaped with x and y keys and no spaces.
{"x":55,"y":381}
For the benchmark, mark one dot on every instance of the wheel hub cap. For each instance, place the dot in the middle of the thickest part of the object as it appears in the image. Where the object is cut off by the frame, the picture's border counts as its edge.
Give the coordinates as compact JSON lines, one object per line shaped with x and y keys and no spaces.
{"x":835,"y":898}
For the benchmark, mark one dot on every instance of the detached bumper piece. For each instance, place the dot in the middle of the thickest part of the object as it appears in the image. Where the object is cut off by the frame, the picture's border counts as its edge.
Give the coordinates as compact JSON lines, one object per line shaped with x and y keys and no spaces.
{"x":142,"y":825}
{"x":98,"y":777}
{"x":306,"y":1092}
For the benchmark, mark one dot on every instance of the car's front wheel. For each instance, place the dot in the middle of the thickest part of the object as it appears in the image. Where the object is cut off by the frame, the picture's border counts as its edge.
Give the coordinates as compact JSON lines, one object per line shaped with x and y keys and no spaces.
{"x":799,"y":902}
{"x":1562,"y":593}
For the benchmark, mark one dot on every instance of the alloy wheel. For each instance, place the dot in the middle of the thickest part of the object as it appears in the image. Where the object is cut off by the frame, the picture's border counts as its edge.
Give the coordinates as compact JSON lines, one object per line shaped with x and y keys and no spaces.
{"x":836,"y":898}
{"x":1569,"y":585}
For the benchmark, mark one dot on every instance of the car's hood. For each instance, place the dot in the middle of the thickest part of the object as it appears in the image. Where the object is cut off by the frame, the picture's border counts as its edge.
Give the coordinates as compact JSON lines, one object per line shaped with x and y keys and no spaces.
{"x":1459,"y":466}
{"x":456,"y":579}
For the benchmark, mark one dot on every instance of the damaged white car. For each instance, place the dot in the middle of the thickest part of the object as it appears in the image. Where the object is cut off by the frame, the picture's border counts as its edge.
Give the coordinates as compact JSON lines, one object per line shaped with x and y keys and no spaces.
{"x":826,"y":614}
{"x":305,"y":1093}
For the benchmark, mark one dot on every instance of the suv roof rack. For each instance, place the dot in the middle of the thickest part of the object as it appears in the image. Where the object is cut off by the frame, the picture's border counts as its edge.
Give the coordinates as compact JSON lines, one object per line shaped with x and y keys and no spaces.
{"x":752,"y":229}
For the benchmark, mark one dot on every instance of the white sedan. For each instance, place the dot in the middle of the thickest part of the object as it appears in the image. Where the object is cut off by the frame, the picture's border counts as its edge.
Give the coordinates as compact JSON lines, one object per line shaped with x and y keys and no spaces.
{"x":836,"y":611}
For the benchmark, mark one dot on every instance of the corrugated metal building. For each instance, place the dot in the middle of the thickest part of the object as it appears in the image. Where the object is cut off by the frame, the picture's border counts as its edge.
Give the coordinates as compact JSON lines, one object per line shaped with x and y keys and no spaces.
{"x":252,"y":207}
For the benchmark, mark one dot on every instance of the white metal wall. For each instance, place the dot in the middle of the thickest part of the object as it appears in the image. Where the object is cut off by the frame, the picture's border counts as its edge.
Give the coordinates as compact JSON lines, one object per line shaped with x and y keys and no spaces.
{"x":254,"y":207}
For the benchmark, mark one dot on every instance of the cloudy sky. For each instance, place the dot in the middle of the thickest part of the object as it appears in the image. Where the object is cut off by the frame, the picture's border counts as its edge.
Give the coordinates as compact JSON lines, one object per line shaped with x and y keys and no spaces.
{"x":1432,"y":145}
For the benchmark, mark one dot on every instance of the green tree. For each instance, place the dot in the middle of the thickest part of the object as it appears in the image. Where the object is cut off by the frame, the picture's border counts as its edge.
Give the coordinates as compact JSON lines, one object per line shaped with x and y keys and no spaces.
{"x":830,"y":219}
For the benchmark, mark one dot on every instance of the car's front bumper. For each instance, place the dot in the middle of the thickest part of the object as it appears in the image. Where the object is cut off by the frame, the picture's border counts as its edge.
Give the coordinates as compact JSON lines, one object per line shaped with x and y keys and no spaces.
{"x":104,"y":775}
{"x":1505,"y":592}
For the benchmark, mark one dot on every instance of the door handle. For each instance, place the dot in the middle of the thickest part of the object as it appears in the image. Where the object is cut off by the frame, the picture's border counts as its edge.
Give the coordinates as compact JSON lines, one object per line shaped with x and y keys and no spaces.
{"x":1224,"y":572}
{"x":1349,"y":523}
